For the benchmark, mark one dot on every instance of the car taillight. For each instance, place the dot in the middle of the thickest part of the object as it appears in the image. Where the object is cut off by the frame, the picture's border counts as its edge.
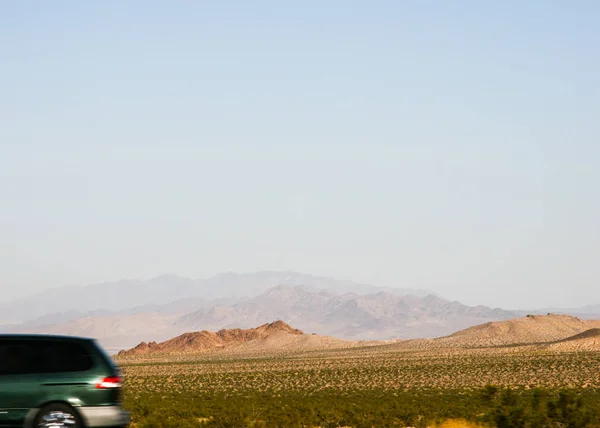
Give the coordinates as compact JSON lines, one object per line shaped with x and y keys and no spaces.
{"x":110,"y":382}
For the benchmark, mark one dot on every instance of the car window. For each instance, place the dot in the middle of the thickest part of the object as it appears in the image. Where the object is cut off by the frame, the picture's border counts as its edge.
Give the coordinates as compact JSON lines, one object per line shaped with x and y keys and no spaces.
{"x":16,"y":358}
{"x":106,"y":359}
{"x":60,"y":357}
{"x":22,"y":357}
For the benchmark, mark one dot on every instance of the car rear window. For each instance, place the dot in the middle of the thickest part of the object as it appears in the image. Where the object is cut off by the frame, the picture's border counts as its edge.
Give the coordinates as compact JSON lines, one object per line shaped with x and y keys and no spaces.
{"x":108,"y":361}
{"x":60,"y":357}
{"x":43,"y":356}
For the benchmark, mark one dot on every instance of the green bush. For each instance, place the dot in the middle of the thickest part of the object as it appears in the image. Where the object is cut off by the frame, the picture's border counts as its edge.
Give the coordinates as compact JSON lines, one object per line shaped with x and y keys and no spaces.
{"x":492,"y":406}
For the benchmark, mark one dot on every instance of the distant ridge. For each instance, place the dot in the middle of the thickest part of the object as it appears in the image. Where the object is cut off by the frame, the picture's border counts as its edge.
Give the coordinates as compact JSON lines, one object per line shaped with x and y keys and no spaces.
{"x":376,"y":315}
{"x":528,"y":330}
{"x":172,"y":291}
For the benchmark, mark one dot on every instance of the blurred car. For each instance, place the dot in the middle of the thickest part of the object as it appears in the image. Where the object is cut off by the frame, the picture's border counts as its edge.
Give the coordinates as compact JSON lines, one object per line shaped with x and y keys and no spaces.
{"x":58,"y":381}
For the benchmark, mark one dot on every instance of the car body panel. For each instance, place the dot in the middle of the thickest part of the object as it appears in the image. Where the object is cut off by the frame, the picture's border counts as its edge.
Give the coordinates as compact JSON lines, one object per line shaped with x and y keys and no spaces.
{"x":16,"y":393}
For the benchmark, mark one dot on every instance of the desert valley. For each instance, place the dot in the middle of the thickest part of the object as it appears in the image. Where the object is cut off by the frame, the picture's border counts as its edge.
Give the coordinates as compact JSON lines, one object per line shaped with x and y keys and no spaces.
{"x":277,"y":375}
{"x":285,"y":349}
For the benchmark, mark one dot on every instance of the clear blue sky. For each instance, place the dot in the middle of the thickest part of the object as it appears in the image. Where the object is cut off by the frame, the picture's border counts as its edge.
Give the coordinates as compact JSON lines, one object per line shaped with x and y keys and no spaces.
{"x":446,"y":145}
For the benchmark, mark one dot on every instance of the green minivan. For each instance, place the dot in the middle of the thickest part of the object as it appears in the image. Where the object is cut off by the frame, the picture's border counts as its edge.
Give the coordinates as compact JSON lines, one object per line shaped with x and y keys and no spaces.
{"x":58,"y":381}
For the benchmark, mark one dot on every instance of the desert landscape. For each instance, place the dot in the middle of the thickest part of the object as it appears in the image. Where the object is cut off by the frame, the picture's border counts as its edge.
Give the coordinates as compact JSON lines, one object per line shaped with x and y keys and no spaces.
{"x":517,"y":372}
{"x":324,"y":214}
{"x":285,"y":349}
{"x":164,"y":307}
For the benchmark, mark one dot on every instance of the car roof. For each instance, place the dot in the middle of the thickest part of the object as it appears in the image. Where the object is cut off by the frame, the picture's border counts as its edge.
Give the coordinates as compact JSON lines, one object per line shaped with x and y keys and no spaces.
{"x":44,"y":337}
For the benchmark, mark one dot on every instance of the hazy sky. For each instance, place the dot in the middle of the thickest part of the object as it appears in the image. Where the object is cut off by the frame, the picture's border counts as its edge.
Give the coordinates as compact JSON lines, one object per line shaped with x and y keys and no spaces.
{"x":447,"y":145}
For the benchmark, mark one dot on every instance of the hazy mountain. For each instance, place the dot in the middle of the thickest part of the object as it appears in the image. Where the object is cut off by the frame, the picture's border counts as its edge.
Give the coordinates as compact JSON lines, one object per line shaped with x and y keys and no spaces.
{"x":591,"y":309}
{"x":294,"y":304}
{"x":61,"y":317}
{"x":157,"y":294}
{"x":587,"y":312}
{"x":348,"y":316}
{"x":112,"y":297}
{"x":251,"y":284}
{"x":127,"y":312}
{"x":114,"y":332}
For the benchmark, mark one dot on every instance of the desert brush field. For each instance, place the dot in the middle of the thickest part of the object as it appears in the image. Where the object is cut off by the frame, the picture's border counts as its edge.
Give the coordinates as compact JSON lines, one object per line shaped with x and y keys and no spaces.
{"x":411,"y":383}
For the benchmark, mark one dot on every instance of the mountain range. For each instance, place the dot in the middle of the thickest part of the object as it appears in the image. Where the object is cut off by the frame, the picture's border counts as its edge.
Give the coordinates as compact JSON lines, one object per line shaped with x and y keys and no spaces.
{"x":563,"y":333}
{"x":124,"y":313}
{"x":168,"y":293}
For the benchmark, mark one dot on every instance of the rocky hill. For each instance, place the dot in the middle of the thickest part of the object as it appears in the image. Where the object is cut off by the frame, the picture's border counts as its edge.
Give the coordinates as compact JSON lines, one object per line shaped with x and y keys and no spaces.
{"x":275,"y":335}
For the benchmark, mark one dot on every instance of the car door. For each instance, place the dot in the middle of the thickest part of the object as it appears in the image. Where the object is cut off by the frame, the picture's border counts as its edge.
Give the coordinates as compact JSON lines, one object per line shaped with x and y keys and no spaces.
{"x":66,"y":373}
{"x":18,"y":382}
